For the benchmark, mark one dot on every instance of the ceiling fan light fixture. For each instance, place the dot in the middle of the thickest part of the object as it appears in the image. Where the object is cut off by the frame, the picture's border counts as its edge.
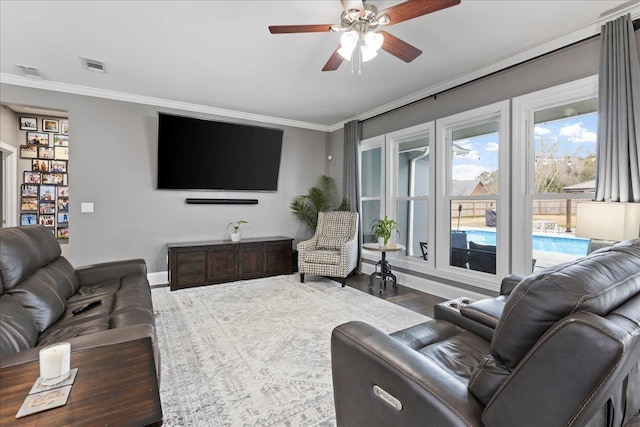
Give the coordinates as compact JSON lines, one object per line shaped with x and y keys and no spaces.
{"x":383,"y":19}
{"x":367,"y":53}
{"x":348,"y":42}
{"x":373,"y":40}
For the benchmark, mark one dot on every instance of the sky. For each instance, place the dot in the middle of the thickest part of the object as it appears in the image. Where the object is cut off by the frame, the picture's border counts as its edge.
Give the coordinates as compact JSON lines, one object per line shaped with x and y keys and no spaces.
{"x":575,"y":136}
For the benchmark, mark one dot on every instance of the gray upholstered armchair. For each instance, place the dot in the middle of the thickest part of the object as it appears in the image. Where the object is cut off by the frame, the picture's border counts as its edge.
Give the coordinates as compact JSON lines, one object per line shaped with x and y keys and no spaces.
{"x":333,"y":250}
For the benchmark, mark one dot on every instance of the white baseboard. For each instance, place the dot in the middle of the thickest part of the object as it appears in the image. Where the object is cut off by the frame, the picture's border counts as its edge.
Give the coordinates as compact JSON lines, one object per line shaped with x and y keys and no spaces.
{"x":159,"y":278}
{"x":429,"y":286}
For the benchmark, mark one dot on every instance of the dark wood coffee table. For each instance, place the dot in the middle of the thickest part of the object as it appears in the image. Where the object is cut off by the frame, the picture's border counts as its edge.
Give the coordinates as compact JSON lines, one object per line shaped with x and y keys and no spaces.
{"x":116,"y":385}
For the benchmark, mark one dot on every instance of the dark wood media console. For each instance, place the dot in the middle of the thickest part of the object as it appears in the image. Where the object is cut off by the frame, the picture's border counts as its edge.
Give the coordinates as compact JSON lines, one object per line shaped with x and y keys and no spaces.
{"x":219,"y":261}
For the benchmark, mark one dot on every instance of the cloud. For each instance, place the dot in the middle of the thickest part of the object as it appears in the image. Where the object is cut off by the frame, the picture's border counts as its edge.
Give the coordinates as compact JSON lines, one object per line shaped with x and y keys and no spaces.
{"x":576,"y":133}
{"x":466,"y":172}
{"x":463,"y":143}
{"x":539,"y":130}
{"x":491,"y":146}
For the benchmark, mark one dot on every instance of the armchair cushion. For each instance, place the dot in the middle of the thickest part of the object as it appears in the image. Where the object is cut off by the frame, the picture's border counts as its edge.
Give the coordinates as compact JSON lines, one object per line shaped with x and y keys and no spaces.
{"x":331,"y":242}
{"x":323,"y":256}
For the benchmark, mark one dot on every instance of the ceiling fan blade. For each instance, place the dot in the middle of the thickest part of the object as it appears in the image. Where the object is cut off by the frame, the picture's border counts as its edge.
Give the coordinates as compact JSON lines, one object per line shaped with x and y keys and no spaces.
{"x":287,"y":29}
{"x":413,"y":8}
{"x":399,"y":48}
{"x":348,"y":5}
{"x":334,"y":62}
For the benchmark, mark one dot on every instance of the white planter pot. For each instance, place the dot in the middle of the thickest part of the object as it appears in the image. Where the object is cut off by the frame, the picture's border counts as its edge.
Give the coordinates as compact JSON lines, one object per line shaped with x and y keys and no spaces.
{"x":235,"y":237}
{"x":381,"y":241}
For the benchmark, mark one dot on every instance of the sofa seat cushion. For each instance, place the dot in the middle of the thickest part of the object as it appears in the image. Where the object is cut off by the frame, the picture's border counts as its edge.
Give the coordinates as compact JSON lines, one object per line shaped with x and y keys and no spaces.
{"x":19,"y":330}
{"x":69,"y":328}
{"x":323,"y":256}
{"x":44,"y":294}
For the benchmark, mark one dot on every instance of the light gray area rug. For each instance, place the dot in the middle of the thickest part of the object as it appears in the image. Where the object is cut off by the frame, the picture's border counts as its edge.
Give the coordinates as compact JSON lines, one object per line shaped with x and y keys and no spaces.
{"x":257,"y":352}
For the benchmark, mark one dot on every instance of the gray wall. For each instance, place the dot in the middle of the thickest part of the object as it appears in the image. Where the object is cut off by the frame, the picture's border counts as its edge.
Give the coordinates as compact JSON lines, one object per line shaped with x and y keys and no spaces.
{"x":565,"y":65}
{"x":9,"y":126}
{"x":113,"y":164}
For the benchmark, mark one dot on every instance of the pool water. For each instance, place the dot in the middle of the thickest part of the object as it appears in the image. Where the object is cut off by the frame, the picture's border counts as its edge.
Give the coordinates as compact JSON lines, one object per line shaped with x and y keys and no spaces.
{"x":545,"y":243}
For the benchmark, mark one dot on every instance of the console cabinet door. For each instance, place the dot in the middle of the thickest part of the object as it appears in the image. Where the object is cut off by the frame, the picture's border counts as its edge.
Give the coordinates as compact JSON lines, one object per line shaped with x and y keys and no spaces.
{"x":279,"y":258}
{"x":222,"y":265}
{"x":252,"y":260}
{"x":190,"y":267}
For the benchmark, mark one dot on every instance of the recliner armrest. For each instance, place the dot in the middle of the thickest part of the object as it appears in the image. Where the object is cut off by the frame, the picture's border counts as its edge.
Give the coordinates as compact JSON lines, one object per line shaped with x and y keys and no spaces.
{"x":486,"y":311}
{"x":96,"y":273}
{"x":363,"y":356}
{"x":509,"y":282}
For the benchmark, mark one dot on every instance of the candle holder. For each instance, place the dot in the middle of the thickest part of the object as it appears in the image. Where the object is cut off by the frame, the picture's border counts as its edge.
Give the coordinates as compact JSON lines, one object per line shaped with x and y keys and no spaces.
{"x":55,"y":363}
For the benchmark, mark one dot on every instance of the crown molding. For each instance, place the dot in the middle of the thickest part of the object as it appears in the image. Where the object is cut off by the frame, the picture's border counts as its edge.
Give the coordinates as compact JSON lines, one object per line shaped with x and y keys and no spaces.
{"x":530,"y":52}
{"x":156,"y":102}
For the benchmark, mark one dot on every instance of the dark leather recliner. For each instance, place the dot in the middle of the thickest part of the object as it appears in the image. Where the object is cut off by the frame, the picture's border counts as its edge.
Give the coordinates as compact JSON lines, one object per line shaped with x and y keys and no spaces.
{"x":560,"y":347}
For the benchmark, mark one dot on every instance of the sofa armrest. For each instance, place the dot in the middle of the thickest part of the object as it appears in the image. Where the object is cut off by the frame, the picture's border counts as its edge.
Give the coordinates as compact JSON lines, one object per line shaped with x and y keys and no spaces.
{"x":486,"y":311}
{"x":509,"y":282}
{"x":96,"y":273}
{"x":363,"y":357}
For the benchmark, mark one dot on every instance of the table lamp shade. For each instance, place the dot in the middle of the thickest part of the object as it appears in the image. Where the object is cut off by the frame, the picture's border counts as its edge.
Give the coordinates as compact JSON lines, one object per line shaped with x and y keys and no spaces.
{"x":608,"y":221}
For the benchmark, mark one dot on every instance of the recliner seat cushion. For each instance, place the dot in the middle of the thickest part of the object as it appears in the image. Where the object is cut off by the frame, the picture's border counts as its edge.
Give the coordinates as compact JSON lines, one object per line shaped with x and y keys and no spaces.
{"x":597,"y":284}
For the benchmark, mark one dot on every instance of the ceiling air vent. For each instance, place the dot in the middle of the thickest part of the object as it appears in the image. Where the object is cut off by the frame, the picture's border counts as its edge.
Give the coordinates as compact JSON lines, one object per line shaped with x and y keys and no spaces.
{"x":29,"y":71}
{"x":93,"y":65}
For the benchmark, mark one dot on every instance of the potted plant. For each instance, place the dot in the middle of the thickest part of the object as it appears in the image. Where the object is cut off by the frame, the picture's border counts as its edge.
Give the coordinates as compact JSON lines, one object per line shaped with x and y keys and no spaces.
{"x":322,"y":197}
{"x":235,"y":234}
{"x":382,"y":229}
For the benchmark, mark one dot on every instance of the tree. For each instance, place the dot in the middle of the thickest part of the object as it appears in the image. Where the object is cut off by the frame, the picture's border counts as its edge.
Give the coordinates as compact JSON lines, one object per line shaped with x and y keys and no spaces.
{"x":322,"y":197}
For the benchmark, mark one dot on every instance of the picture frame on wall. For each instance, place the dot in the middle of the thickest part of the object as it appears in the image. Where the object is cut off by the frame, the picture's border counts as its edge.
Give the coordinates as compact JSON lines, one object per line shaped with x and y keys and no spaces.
{"x":31,"y":177}
{"x":47,"y":208}
{"x":63,"y":191}
{"x":46,"y":153}
{"x":64,"y":127}
{"x":61,"y":153}
{"x":49,"y":125}
{"x":63,"y":233}
{"x":39,"y":165}
{"x":29,"y":204}
{"x":58,"y":166}
{"x":54,"y":178}
{"x":60,"y":140}
{"x":29,"y":151}
{"x":48,"y":220}
{"x":47,"y":193}
{"x":28,"y":219}
{"x":63,"y":204}
{"x":29,"y":190}
{"x":28,"y":123}
{"x":63,"y":217}
{"x":38,"y":138}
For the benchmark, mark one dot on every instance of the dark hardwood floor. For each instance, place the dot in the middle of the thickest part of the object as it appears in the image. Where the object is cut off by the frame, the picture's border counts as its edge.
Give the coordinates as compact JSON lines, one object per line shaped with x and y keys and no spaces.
{"x":412,"y":299}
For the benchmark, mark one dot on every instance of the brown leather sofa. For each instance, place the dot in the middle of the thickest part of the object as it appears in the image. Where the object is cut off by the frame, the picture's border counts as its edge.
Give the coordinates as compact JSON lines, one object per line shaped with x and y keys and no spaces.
{"x":40,"y":291}
{"x":560,"y":347}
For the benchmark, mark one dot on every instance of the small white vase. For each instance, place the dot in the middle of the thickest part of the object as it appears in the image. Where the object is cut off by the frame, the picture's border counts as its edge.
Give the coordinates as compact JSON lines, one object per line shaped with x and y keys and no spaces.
{"x":235,"y":237}
{"x":381,"y":241}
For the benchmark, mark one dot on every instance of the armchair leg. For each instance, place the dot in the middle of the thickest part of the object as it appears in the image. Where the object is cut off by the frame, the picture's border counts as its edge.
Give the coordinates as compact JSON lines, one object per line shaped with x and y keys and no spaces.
{"x":343,"y":281}
{"x":301,"y":277}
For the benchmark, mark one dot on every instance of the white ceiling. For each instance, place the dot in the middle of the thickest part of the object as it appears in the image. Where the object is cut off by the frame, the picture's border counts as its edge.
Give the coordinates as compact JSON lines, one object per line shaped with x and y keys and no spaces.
{"x":218,"y":56}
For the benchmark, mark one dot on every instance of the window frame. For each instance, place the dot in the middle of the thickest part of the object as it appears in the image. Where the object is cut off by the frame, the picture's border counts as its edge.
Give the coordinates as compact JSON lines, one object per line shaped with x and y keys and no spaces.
{"x":524,"y":108}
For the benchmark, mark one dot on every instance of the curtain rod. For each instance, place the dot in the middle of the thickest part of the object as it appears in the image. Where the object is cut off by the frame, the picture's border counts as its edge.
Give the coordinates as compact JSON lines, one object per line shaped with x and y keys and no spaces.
{"x":636,"y":26}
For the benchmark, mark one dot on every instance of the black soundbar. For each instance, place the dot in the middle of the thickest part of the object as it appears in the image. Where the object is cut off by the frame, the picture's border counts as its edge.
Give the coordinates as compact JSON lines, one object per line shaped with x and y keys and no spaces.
{"x":222,"y":201}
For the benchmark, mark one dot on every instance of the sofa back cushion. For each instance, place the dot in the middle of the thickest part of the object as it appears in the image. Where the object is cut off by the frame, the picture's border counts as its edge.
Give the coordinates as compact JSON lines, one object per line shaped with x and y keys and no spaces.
{"x":23,"y":251}
{"x":18,"y":331}
{"x":44,"y":294}
{"x":598,"y":283}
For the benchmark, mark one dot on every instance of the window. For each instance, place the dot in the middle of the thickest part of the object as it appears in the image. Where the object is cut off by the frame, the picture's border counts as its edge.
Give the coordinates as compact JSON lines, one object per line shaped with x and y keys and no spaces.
{"x":558,"y":127}
{"x":371,"y":184}
{"x":474,"y":228}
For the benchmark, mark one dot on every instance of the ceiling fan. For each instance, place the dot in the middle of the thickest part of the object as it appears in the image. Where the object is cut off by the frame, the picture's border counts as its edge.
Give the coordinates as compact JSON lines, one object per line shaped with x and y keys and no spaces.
{"x":357,"y":22}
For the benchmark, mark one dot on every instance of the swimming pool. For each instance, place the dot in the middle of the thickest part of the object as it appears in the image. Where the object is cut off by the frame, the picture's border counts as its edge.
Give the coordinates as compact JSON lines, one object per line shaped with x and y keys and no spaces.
{"x":545,"y":243}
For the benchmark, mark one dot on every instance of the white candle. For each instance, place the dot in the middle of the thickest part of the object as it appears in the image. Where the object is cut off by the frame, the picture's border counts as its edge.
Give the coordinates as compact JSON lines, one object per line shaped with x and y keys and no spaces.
{"x":55,"y":362}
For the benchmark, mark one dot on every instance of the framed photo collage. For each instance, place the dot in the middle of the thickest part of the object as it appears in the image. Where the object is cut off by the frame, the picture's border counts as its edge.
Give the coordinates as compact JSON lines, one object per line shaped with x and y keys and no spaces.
{"x":44,"y":196}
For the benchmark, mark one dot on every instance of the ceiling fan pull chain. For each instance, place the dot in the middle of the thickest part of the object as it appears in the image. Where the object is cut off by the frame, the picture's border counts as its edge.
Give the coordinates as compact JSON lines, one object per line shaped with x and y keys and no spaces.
{"x":360,"y":61}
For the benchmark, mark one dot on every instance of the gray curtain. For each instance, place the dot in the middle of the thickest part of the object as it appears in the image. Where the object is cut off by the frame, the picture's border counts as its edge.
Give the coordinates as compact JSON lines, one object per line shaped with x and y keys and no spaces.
{"x":351,"y":170}
{"x":618,"y":169}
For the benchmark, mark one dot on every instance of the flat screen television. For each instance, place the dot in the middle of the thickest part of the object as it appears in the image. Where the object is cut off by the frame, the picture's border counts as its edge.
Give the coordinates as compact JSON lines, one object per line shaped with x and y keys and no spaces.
{"x":196,"y":154}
